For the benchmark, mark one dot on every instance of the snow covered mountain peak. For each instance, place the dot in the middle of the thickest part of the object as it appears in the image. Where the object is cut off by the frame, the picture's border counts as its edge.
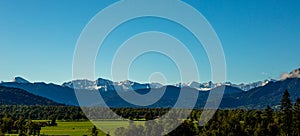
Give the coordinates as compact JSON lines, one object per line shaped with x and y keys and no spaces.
{"x":81,"y":84}
{"x":210,"y":85}
{"x":106,"y":85}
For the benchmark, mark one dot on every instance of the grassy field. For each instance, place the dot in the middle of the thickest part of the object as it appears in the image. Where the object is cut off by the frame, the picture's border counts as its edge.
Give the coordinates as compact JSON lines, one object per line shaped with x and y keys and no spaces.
{"x":83,"y":128}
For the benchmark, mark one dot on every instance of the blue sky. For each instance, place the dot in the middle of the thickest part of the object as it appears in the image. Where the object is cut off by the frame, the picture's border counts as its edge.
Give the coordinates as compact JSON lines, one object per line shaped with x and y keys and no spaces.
{"x":261,"y":39}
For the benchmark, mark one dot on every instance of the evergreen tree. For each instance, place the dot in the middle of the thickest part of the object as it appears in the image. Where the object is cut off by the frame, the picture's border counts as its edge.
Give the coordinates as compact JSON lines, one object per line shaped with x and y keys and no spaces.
{"x":286,"y":102}
{"x":296,"y":118}
{"x":94,"y":131}
{"x":269,"y":114}
{"x":286,"y":108}
{"x":267,"y":120}
{"x":148,"y":116}
{"x":53,"y":122}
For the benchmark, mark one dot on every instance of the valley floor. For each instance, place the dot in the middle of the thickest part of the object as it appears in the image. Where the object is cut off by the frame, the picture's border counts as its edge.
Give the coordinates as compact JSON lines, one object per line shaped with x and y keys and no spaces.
{"x":80,"y":128}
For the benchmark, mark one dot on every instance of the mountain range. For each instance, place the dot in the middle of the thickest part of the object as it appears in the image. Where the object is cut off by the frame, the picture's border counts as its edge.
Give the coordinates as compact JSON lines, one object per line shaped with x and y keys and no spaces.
{"x":253,"y":95}
{"x":106,"y":85}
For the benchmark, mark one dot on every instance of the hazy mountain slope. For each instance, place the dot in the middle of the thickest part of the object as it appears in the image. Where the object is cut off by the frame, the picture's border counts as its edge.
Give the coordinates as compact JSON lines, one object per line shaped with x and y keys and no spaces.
{"x":260,"y":97}
{"x":269,"y":92}
{"x":53,"y":92}
{"x":228,"y":89}
{"x":14,"y":96}
{"x":168,"y":99}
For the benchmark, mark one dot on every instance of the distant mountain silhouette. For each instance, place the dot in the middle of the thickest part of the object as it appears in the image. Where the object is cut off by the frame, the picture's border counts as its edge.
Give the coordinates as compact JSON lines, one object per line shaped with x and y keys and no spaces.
{"x":260,"y":97}
{"x":268,"y":92}
{"x":53,"y":92}
{"x":14,"y":96}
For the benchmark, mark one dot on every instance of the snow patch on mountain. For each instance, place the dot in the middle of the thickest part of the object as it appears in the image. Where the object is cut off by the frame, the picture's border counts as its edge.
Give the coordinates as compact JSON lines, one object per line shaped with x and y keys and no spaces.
{"x":106,"y":85}
{"x":81,"y":84}
{"x":127,"y":85}
{"x":250,"y":86}
{"x":210,"y":85}
{"x":156,"y":85}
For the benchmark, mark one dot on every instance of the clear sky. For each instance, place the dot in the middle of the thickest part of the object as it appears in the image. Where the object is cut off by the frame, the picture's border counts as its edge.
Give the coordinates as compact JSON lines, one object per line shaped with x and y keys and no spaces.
{"x":260,"y":38}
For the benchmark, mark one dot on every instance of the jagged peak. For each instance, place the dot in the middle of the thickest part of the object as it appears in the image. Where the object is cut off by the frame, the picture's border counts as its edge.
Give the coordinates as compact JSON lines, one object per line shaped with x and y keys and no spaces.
{"x":20,"y":80}
{"x":294,"y":74}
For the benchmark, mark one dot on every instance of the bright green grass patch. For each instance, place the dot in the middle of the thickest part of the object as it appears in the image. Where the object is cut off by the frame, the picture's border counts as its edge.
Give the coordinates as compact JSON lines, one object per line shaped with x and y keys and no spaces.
{"x":84,"y":128}
{"x":69,"y":128}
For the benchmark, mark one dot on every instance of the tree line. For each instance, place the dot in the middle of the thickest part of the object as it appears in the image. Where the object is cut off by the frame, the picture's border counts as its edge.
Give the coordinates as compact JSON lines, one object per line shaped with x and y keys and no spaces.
{"x":269,"y":122}
{"x":22,"y":126}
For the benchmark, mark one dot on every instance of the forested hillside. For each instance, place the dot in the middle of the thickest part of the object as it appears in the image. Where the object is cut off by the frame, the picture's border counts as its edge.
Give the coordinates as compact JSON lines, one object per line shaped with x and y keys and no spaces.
{"x":14,"y":96}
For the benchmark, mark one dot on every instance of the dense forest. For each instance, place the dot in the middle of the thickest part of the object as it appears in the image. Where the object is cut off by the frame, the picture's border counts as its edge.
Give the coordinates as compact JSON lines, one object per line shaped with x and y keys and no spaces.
{"x":237,"y":122}
{"x":269,"y":122}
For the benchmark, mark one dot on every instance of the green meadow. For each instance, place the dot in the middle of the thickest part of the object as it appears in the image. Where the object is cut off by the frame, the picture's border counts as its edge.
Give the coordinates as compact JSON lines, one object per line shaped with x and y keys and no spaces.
{"x":78,"y":128}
